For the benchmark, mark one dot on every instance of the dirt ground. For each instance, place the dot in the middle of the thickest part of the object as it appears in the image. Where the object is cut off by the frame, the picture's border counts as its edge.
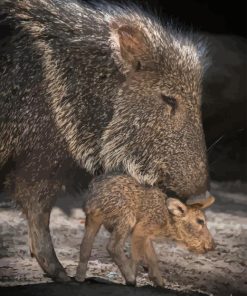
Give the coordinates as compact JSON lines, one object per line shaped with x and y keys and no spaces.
{"x":221,"y":272}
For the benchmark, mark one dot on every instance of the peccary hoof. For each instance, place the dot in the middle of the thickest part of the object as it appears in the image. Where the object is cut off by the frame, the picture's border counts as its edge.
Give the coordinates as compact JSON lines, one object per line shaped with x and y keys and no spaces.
{"x":61,"y":277}
{"x":80,"y":278}
{"x":132,"y":283}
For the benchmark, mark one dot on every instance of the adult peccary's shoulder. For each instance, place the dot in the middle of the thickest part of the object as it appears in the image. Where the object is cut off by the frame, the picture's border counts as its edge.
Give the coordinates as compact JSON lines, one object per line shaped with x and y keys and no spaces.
{"x":115,"y":86}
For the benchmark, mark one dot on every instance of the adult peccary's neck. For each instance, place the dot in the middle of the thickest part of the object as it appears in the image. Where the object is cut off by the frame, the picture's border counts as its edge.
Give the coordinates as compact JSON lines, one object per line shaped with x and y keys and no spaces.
{"x":82,"y":103}
{"x":82,"y":81}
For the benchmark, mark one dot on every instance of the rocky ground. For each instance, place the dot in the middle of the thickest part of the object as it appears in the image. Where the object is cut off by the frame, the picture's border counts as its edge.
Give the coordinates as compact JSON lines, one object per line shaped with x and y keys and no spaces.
{"x":221,"y":272}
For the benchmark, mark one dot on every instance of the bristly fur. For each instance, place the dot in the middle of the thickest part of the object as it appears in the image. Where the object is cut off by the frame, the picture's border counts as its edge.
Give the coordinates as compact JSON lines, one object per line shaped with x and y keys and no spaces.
{"x":102,"y":87}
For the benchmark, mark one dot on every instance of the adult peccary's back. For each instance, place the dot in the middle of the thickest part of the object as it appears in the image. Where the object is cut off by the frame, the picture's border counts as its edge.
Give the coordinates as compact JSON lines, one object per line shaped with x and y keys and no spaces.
{"x":97,"y":87}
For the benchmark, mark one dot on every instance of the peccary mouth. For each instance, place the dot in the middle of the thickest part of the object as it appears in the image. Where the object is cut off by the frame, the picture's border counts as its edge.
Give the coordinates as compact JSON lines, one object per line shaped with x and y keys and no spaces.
{"x":197,"y":198}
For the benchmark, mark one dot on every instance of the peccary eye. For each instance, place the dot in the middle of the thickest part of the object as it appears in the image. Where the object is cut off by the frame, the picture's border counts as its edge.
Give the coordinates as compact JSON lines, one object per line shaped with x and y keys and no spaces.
{"x":169,"y":101}
{"x":181,"y":210}
{"x":200,"y":221}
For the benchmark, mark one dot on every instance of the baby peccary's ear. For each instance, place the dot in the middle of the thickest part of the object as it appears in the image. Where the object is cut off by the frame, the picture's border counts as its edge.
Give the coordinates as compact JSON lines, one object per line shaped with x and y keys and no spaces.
{"x":132,"y":45}
{"x":176,"y":207}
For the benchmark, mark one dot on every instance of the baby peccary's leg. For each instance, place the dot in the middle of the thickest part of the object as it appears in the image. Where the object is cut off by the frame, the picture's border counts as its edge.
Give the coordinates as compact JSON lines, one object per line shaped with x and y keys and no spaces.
{"x":92,"y":227}
{"x":152,"y":261}
{"x":138,"y":240}
{"x":115,"y":248}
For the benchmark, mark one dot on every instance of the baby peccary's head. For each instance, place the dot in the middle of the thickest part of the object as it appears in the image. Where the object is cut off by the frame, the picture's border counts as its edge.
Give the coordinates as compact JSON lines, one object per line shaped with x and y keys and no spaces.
{"x":188,"y":223}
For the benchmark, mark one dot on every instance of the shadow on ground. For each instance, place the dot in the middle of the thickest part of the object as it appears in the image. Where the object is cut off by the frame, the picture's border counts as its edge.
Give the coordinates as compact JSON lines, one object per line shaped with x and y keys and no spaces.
{"x":92,"y":287}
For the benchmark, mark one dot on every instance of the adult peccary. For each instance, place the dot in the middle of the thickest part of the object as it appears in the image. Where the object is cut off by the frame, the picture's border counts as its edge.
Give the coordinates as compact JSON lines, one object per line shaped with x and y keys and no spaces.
{"x":99,"y":87}
{"x":125,"y":207}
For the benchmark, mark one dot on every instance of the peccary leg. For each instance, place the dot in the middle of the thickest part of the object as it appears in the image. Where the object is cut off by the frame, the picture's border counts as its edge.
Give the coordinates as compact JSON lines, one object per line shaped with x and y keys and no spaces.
{"x":41,"y":244}
{"x":152,"y":261}
{"x":137,"y":248}
{"x":30,"y":244}
{"x":115,"y":248}
{"x":92,"y":227}
{"x":37,"y":199}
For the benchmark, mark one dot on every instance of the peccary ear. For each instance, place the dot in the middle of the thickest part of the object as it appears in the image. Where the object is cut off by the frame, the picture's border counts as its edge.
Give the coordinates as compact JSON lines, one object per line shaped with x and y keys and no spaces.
{"x":176,"y":207}
{"x":132,"y":45}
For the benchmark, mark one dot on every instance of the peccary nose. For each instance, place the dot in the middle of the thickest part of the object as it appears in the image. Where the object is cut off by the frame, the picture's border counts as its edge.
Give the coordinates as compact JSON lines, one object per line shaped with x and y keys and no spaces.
{"x":204,"y":200}
{"x":210,"y":246}
{"x":197,"y":198}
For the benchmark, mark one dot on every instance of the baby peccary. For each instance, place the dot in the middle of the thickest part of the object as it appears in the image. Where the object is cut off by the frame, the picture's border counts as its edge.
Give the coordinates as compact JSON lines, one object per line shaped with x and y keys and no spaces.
{"x":125,"y":207}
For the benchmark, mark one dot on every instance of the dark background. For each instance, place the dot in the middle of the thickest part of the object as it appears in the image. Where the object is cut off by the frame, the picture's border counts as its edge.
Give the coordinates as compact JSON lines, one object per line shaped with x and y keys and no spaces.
{"x":226,"y":126}
{"x":217,"y":17}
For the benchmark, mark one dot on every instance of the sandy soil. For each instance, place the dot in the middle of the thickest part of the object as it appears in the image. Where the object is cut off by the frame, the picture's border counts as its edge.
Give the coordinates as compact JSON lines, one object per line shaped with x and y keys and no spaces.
{"x":221,"y":272}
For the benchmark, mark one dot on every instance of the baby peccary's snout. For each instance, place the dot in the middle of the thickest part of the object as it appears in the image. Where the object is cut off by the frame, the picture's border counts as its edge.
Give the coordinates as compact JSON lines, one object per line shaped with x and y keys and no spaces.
{"x":124,"y":206}
{"x":210,"y":246}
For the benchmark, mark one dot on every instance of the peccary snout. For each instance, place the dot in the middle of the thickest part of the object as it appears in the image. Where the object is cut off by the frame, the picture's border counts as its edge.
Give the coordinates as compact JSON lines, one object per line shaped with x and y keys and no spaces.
{"x":204,"y":247}
{"x":210,"y":246}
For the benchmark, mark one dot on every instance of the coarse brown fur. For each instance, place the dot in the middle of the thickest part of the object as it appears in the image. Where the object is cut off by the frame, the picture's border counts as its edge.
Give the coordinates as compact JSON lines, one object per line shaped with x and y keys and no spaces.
{"x":125,"y":207}
{"x":99,"y":87}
